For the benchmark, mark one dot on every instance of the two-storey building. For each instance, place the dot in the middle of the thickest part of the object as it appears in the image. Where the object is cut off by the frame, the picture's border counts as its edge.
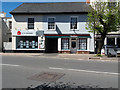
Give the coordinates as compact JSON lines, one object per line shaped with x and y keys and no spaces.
{"x":52,"y":27}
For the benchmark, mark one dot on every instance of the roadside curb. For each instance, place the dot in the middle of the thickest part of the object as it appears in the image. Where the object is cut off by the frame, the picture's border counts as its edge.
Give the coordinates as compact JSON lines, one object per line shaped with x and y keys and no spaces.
{"x":60,"y":56}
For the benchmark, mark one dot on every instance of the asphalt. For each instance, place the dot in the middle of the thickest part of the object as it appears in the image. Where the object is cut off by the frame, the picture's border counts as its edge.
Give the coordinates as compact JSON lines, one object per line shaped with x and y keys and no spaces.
{"x":16,"y":69}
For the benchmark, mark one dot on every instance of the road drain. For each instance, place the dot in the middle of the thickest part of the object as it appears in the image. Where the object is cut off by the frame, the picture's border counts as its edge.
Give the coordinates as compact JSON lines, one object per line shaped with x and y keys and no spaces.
{"x":47,"y":76}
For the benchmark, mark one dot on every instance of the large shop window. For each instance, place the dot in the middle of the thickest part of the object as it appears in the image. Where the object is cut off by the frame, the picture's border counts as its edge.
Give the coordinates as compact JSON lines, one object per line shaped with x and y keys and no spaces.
{"x":118,"y":42}
{"x":65,"y":43}
{"x":27,"y":42}
{"x":30,"y":23}
{"x":82,"y":44}
{"x":111,"y":41}
{"x":51,"y":23}
{"x":73,"y":23}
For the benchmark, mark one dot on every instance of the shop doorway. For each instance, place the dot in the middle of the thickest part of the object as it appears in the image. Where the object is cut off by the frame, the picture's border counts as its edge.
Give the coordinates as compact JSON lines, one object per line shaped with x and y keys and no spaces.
{"x":51,"y":45}
{"x":73,"y":45}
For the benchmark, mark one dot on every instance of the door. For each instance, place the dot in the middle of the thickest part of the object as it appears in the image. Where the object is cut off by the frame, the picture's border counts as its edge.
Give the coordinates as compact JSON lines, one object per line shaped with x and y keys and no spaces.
{"x":73,"y":45}
{"x":51,"y":45}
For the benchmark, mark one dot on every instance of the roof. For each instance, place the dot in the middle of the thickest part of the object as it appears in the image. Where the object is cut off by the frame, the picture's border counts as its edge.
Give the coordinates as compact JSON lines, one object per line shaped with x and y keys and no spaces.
{"x":61,"y":7}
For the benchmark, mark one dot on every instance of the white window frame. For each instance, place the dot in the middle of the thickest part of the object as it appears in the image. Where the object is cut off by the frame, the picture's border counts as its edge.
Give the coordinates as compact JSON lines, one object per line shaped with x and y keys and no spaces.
{"x":65,"y":44}
{"x":28,"y":23}
{"x":10,"y":25}
{"x":55,"y":23}
{"x":83,"y":46}
{"x":70,"y":23}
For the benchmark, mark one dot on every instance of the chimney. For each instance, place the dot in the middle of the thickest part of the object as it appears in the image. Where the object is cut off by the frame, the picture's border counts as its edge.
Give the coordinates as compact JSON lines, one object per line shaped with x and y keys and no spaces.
{"x":88,"y":1}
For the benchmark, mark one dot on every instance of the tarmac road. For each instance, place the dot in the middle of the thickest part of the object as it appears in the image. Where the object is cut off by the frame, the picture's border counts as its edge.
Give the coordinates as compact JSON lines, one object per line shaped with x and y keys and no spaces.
{"x":16,"y":71}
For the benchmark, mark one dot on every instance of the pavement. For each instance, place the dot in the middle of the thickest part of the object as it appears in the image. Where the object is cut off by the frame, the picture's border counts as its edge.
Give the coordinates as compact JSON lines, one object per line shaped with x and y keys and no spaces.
{"x":65,"y":56}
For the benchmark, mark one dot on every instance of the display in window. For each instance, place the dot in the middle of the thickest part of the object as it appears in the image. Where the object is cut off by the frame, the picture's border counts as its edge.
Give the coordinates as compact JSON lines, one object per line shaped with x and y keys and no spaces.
{"x":27,"y":42}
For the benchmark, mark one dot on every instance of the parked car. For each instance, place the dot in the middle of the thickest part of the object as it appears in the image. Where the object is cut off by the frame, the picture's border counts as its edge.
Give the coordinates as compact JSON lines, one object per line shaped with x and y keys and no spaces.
{"x":109,"y":50}
{"x":118,"y":52}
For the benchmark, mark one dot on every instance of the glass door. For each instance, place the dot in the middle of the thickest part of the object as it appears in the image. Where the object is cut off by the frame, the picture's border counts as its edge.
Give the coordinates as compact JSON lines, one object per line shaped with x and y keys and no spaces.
{"x":73,"y":45}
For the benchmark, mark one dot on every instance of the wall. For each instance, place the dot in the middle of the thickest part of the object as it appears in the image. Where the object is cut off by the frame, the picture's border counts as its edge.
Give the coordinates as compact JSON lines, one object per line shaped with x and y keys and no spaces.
{"x":0,"y":34}
{"x":5,"y":33}
{"x":20,"y":22}
{"x":62,"y":24}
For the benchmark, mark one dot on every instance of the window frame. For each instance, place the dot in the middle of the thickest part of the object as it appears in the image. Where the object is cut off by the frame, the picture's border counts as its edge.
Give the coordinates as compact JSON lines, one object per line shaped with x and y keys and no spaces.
{"x":70,"y":22}
{"x":79,"y":47}
{"x":31,"y":23}
{"x":62,"y":44}
{"x":10,"y":25}
{"x":54,"y":23}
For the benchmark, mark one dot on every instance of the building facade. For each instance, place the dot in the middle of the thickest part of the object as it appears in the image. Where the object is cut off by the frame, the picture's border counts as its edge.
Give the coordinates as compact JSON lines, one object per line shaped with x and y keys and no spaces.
{"x":5,"y":30}
{"x":52,"y":27}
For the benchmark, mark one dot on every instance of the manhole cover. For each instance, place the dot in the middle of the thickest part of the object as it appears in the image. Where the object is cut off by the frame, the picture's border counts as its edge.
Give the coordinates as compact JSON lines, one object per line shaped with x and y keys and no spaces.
{"x":47,"y":76}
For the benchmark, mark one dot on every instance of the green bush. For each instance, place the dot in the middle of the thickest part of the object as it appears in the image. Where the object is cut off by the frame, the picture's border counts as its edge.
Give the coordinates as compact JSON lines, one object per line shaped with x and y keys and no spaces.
{"x":98,"y":55}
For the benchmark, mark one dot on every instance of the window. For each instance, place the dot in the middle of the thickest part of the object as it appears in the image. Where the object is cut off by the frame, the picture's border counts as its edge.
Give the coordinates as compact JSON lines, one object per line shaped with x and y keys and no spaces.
{"x":110,"y":41}
{"x":51,"y":23}
{"x":10,"y":24}
{"x":112,"y":4}
{"x":65,"y":43}
{"x":30,"y":23}
{"x":118,"y":42}
{"x":83,"y":44}
{"x":10,"y":39}
{"x":73,"y":23}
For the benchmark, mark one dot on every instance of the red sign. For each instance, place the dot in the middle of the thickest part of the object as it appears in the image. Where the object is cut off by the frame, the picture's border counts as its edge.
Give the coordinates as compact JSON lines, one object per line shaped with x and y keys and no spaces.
{"x":18,"y":33}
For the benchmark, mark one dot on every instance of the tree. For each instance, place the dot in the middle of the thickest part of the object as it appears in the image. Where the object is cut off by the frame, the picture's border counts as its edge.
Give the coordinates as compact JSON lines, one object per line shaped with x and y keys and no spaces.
{"x":104,"y":17}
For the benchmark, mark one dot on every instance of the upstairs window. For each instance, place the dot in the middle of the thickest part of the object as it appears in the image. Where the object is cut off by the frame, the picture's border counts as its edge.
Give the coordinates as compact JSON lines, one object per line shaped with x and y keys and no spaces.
{"x":112,"y":4}
{"x":51,"y":23}
{"x":30,"y":23}
{"x":73,"y":23}
{"x":10,"y":25}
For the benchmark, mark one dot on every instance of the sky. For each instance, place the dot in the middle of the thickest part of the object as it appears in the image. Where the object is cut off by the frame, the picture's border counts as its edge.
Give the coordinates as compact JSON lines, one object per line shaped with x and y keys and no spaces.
{"x":9,"y":5}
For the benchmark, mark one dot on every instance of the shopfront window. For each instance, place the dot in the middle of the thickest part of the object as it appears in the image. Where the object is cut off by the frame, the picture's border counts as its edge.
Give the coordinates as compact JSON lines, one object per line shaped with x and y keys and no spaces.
{"x":65,"y":43}
{"x":30,"y":23}
{"x":118,"y":42}
{"x":27,"y":42}
{"x":82,"y":43}
{"x":51,"y":23}
{"x":110,"y":41}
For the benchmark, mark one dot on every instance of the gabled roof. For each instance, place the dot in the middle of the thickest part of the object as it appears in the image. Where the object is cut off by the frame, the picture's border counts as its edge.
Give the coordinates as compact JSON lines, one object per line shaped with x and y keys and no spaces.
{"x":64,"y":7}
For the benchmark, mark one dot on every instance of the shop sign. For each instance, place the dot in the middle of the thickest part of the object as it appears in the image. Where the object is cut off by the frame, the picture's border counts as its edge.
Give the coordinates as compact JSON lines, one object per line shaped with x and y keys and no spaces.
{"x":24,"y":33}
{"x":74,"y":36}
{"x":39,"y":33}
{"x":18,"y":33}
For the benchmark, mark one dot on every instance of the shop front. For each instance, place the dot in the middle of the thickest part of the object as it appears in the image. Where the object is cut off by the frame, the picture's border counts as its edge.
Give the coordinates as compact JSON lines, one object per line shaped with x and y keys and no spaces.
{"x":70,"y":43}
{"x":28,"y":40}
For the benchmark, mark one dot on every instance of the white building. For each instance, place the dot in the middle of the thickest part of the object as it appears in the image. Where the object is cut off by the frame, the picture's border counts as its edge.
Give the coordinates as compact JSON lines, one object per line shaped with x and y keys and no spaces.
{"x":52,"y":27}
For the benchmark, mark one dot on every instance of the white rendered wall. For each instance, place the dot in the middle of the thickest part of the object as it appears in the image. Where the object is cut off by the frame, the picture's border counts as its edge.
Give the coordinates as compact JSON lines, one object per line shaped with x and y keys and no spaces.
{"x":13,"y":43}
{"x":59,"y":44}
{"x":19,"y":22}
{"x":88,"y":44}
